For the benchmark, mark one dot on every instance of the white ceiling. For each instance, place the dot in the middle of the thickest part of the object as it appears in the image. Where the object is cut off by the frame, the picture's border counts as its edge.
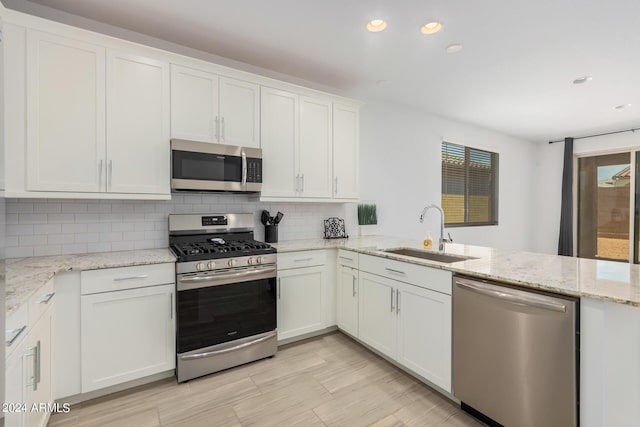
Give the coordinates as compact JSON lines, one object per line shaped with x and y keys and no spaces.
{"x":514,"y":74}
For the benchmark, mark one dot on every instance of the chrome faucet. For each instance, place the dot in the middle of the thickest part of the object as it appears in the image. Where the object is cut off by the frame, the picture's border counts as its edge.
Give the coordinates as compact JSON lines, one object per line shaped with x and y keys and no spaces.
{"x":443,"y":239}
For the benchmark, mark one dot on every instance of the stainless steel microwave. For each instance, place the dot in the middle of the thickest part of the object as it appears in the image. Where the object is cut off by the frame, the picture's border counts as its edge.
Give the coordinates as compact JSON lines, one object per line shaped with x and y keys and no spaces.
{"x":202,"y":166}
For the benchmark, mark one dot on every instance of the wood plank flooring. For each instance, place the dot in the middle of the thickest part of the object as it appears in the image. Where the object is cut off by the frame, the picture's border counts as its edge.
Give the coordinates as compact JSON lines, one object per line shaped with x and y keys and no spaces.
{"x":327,"y":381}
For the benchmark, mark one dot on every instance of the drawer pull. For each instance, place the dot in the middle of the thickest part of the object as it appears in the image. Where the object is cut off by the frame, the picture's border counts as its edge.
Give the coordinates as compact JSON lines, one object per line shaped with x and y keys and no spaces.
{"x":120,"y":279}
{"x":46,"y":298}
{"x":16,"y":333}
{"x":302,"y":259}
{"x":346,"y":258}
{"x":391,"y":270}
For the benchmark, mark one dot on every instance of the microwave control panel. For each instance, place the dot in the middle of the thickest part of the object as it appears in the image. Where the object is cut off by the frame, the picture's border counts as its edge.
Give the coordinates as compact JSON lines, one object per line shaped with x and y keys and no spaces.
{"x":254,"y":170}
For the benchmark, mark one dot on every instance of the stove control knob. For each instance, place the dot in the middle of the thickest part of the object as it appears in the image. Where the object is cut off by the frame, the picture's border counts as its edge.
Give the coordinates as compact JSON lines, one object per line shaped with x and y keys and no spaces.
{"x":211,"y":265}
{"x":259,"y":260}
{"x":250,"y":261}
{"x":232,"y":263}
{"x":201,"y":266}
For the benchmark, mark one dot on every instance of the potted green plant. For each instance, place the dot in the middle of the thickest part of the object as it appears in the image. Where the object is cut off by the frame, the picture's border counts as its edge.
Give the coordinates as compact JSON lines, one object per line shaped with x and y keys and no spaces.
{"x":367,"y":218}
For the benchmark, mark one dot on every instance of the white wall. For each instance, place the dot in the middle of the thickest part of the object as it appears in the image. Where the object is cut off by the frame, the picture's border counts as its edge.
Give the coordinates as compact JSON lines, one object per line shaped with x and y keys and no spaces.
{"x":401,"y":172}
{"x":548,"y":182}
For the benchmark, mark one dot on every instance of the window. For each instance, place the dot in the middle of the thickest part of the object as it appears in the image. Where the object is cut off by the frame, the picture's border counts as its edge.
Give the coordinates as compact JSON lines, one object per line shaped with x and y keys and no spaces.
{"x":469,"y":186}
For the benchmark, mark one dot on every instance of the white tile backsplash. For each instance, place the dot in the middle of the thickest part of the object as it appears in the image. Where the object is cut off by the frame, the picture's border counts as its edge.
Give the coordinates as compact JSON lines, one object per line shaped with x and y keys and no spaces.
{"x":52,"y":226}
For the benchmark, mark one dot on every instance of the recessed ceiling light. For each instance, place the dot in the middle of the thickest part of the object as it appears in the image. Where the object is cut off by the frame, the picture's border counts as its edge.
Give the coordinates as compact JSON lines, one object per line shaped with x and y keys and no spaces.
{"x":622,"y":106}
{"x":376,"y":25}
{"x":453,"y":48}
{"x":431,"y":27}
{"x":581,"y":80}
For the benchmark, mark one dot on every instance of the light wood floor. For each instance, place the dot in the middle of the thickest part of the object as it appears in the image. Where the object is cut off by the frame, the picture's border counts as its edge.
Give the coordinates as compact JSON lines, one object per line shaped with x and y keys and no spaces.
{"x":328,"y":381}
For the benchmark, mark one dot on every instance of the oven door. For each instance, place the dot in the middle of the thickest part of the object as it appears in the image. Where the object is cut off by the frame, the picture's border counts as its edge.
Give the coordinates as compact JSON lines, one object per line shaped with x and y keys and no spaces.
{"x":201,"y":166}
{"x":224,"y":306}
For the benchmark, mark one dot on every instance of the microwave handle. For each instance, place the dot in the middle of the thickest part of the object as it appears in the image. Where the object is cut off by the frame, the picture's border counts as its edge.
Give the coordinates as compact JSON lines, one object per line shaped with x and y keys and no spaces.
{"x":244,"y":168}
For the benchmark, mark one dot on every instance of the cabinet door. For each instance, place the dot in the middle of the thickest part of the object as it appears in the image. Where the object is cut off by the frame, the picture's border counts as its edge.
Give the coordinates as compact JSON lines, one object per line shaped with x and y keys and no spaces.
{"x":424,"y":333}
{"x":137,"y":124}
{"x":65,"y":114}
{"x":279,"y":134}
{"x":16,"y":381}
{"x":377,"y":313}
{"x":315,"y":147}
{"x":300,"y":301}
{"x":348,"y":300}
{"x":126,"y":335}
{"x":194,"y":105}
{"x":239,"y":113}
{"x":39,"y":373}
{"x":345,"y":151}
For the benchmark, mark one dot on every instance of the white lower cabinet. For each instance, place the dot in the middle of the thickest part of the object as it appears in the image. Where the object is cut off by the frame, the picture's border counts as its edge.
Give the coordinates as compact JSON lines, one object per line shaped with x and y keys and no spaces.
{"x":126,"y":335}
{"x":304,"y":293}
{"x":377,"y":313}
{"x":15,"y":382}
{"x":409,"y":323}
{"x":300,"y":308}
{"x":348,"y":299}
{"x":38,"y":371}
{"x":424,"y":333}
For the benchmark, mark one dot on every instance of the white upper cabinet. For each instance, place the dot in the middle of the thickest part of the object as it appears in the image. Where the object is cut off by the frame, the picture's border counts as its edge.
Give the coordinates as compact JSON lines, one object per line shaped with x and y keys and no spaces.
{"x":239,"y":113}
{"x":210,"y":108}
{"x":65,"y":114}
{"x":137,"y":124}
{"x":315,"y":148}
{"x":345,"y":151}
{"x":194,"y":104}
{"x":279,"y":131}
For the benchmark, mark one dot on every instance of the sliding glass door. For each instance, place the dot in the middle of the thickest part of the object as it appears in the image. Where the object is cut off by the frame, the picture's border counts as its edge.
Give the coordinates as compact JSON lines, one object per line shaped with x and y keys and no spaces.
{"x":604,"y":206}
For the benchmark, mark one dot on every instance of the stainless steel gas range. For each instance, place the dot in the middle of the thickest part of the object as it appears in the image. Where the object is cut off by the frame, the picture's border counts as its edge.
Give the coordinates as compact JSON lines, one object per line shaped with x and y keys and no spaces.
{"x":226,"y":293}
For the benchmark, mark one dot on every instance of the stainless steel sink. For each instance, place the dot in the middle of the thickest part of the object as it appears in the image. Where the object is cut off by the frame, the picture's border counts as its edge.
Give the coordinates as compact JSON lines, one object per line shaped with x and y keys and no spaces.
{"x":433,"y":256}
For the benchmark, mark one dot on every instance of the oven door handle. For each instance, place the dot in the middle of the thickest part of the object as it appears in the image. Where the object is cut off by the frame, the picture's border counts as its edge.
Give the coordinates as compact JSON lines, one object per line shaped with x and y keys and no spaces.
{"x":230,"y":349}
{"x":224,"y":278}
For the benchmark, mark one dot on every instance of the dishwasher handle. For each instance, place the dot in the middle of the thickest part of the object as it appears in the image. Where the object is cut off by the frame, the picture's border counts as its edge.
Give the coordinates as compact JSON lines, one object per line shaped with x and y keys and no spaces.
{"x":498,"y":293}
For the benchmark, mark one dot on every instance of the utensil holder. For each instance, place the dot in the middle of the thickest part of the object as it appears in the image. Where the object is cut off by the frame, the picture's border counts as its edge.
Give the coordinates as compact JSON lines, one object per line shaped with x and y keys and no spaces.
{"x":271,"y":233}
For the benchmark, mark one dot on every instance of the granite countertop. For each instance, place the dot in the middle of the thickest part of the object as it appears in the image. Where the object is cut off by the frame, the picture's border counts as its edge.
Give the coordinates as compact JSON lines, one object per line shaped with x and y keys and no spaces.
{"x":25,"y":276}
{"x":603,"y":280}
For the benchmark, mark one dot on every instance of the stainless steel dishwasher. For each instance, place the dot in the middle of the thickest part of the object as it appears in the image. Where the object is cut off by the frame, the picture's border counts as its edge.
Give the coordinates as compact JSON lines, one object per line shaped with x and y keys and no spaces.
{"x":514,"y":354}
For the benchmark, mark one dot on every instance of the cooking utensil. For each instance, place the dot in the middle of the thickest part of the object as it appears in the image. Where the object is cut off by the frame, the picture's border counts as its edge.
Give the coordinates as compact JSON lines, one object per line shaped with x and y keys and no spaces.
{"x":264,"y":217}
{"x":278,"y":218}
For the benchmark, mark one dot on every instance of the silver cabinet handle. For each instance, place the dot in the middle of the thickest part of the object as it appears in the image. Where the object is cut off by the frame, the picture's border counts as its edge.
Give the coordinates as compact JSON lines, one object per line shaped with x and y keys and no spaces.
{"x":391,"y":270}
{"x":120,"y":279}
{"x":171,"y":305}
{"x":46,"y":298}
{"x":302,"y":259}
{"x":279,"y":287}
{"x":32,"y":378}
{"x":37,"y":363}
{"x":302,"y":183}
{"x":230,"y":349}
{"x":392,"y":292}
{"x":244,"y":168}
{"x":353,"y":285}
{"x":497,"y":292}
{"x":223,"y":137}
{"x":16,"y":333}
{"x":100,"y":175}
{"x":346,"y":258}
{"x":336,"y":185}
{"x":297,"y":183}
{"x":217,"y":128}
{"x":110,"y":172}
{"x":397,"y":301}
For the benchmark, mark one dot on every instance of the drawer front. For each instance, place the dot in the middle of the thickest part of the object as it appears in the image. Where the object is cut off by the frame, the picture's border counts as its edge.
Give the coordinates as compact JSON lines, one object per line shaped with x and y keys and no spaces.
{"x":301,"y":259}
{"x":117,"y":279}
{"x":16,"y":328}
{"x":418,"y":275}
{"x":40,"y":301}
{"x":348,"y":258}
